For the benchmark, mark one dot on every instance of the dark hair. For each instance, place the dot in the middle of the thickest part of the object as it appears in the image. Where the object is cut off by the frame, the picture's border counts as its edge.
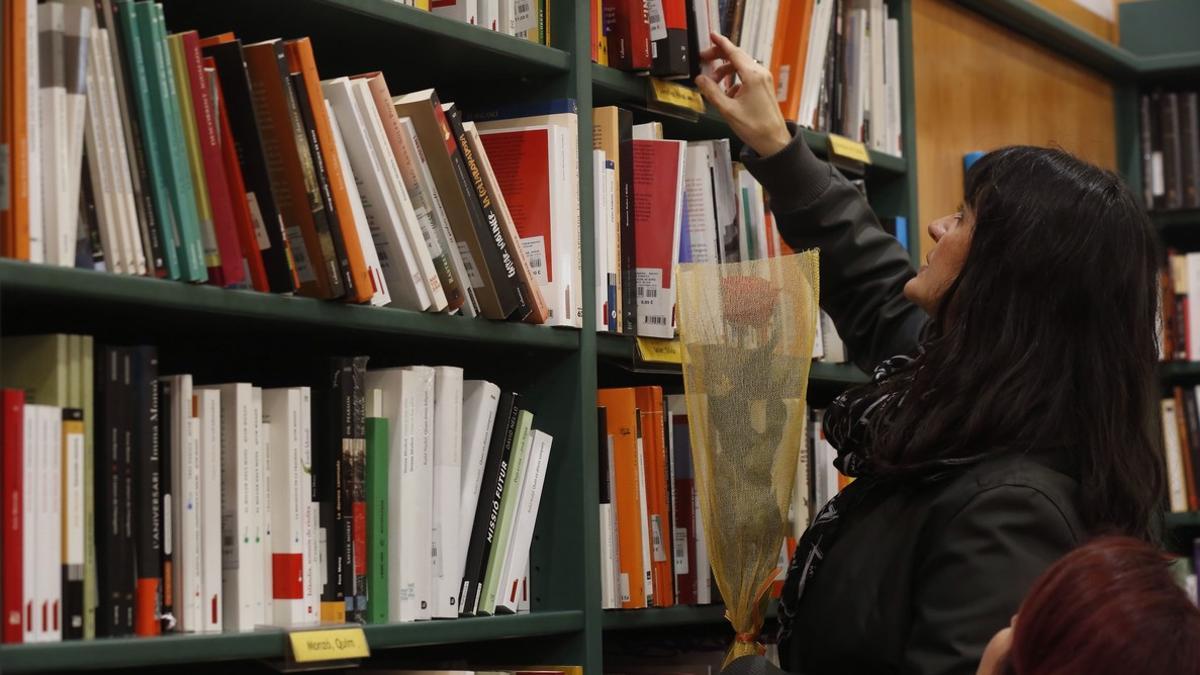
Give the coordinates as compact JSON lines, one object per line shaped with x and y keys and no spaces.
{"x":1111,"y":606}
{"x":1046,"y":339}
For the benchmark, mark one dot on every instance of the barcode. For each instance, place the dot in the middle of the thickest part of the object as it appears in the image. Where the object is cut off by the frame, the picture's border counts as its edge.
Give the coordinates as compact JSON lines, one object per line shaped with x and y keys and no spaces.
{"x":523,"y":8}
{"x":643,"y":292}
{"x":655,"y":320}
{"x":660,"y":551}
{"x":536,"y":263}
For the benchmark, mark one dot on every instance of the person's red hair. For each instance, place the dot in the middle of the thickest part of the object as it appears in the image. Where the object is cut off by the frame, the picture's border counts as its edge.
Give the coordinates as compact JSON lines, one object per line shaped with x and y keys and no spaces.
{"x":1111,"y":606}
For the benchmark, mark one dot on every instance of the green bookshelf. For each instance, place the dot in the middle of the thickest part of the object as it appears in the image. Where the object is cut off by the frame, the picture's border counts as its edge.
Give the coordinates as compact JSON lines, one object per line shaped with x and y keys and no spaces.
{"x":1170,"y":221}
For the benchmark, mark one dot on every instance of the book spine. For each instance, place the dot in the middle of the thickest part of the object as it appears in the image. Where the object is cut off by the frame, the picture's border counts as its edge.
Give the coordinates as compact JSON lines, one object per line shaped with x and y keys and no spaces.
{"x":670,"y":49}
{"x":627,"y":235}
{"x":355,"y":435}
{"x":148,"y":517}
{"x":329,"y":479}
{"x":497,"y":258}
{"x":490,"y":496}
{"x":447,"y":489}
{"x":12,"y":489}
{"x":500,"y":537}
{"x":167,"y":469}
{"x":1172,"y":151}
{"x":629,"y":39}
{"x":127,"y":420}
{"x":377,"y":521}
{"x":1190,"y":127}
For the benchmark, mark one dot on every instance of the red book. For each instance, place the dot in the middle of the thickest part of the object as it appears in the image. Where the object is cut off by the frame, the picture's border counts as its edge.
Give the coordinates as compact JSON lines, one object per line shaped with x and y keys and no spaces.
{"x":657,"y":216}
{"x":232,"y":272}
{"x":12,"y":430}
{"x":236,"y":189}
{"x":685,"y":501}
{"x":627,"y":25}
{"x":658,"y":508}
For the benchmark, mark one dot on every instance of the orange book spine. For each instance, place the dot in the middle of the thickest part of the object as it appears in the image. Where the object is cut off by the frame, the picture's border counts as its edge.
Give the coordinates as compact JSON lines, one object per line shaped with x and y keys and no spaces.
{"x":622,"y":426}
{"x":1181,"y":413}
{"x":654,"y":454}
{"x":14,"y":222}
{"x":267,"y":82}
{"x":789,"y":57}
{"x":301,"y":60}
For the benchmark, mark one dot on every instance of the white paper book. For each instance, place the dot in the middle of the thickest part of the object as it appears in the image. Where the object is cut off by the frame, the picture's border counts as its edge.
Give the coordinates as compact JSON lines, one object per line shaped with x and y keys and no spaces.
{"x":403,"y":280}
{"x":312,"y":570}
{"x":891,"y":56}
{"x":600,"y":234}
{"x":131,"y":237}
{"x":211,"y":612}
{"x":33,"y":108}
{"x":263,"y":599}
{"x":647,"y":580}
{"x":447,"y":472}
{"x":291,"y":492}
{"x":100,"y":166}
{"x":358,"y":216}
{"x":703,"y":237}
{"x":50,"y":536}
{"x":508,"y":597}
{"x":77,"y":18}
{"x":466,"y":11}
{"x":480,"y":400}
{"x":502,"y":535}
{"x":57,"y":213}
{"x":489,"y":14}
{"x":609,"y":597}
{"x":186,"y":536}
{"x":73,"y":478}
{"x":832,"y":346}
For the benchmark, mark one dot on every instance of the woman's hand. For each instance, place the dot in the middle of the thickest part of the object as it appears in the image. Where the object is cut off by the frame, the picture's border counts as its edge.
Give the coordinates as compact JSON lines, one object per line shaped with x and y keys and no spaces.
{"x":749,"y":106}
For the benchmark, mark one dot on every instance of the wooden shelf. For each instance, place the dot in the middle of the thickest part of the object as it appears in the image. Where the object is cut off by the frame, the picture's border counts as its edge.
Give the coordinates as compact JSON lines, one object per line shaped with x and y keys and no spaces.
{"x":612,"y":86}
{"x":27,"y":288}
{"x":269,"y":644}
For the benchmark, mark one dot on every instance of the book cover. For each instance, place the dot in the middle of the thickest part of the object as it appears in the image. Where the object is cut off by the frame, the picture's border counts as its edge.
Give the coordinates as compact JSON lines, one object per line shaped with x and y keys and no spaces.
{"x":147,"y":513}
{"x":622,"y":414}
{"x":628,"y":29}
{"x":658,"y":168}
{"x":291,"y":496}
{"x":501,"y":538}
{"x":669,"y":33}
{"x":512,"y":578}
{"x":378,"y":433}
{"x":12,"y":486}
{"x":659,"y":507}
{"x":447,"y":472}
{"x":480,"y":402}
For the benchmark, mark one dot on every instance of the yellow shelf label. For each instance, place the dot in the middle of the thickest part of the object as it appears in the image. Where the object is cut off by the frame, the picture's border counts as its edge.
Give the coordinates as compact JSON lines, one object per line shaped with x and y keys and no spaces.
{"x":657,"y":350}
{"x":333,"y":644}
{"x":670,"y":93}
{"x":844,"y":147}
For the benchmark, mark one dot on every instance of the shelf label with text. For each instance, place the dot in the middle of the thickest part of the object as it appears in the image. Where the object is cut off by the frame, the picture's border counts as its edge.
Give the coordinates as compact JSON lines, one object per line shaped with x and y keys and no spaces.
{"x":333,"y":644}
{"x":676,"y":95}
{"x":655,"y":350}
{"x":845,"y":148}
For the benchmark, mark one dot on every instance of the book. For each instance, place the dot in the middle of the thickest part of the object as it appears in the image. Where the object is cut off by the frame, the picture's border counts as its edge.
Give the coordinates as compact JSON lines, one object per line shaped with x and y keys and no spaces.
{"x":526,"y":506}
{"x":378,"y":467}
{"x":447,"y":453}
{"x":628,"y":34}
{"x":209,"y":405}
{"x":501,"y":537}
{"x":12,"y":486}
{"x":349,"y":433}
{"x":181,"y":409}
{"x":658,"y":504}
{"x":621,"y":411}
{"x":658,"y":175}
{"x":1177,"y":486}
{"x":669,"y":35}
{"x":609,"y":557}
{"x":292,"y":494}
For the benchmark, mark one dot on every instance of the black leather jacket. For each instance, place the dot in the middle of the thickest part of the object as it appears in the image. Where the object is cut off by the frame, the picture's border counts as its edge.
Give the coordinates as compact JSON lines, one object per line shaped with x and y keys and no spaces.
{"x":923,"y":575}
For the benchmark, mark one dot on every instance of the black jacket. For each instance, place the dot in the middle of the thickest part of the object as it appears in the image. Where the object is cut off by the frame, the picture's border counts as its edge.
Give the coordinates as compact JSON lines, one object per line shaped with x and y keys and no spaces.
{"x":920,"y":576}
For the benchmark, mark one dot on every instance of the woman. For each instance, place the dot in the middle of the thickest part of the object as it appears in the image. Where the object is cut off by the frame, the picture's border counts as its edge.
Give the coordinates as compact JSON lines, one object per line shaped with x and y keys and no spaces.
{"x":1109,"y":608}
{"x":1012,"y":409}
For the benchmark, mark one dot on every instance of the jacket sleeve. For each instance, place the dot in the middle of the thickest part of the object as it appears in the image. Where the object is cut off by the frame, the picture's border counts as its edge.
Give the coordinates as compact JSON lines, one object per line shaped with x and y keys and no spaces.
{"x":976,"y":575}
{"x":863,"y":268}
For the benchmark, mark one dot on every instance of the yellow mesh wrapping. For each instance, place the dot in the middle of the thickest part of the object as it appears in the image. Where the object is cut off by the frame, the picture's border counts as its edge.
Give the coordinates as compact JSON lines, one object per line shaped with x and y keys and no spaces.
{"x":747,"y":332}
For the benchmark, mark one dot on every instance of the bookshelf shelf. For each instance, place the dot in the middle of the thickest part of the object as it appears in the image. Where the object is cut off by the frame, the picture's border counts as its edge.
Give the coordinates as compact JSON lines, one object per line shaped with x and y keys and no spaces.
{"x":1176,"y":219}
{"x":1171,"y":371}
{"x":671,"y":617}
{"x":179,"y":649}
{"x":615,"y":86}
{"x":1178,"y":520}
{"x":27,"y":288}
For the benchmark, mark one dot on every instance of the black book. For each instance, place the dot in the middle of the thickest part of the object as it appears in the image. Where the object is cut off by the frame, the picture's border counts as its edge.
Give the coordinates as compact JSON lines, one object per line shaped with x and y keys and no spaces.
{"x":107,"y":492}
{"x":1156,"y":154}
{"x":89,"y":251}
{"x":1144,"y":136}
{"x":628,"y":236}
{"x":72,"y":572}
{"x":491,"y":491}
{"x":350,"y":398}
{"x":336,"y":258}
{"x":1189,"y":129}
{"x":1192,"y":414}
{"x":106,"y":10}
{"x":327,"y":467}
{"x":145,"y":487}
{"x":670,"y":52}
{"x":693,"y":36}
{"x":602,"y":444}
{"x":243,"y":125}
{"x":166,"y":396}
{"x":497,"y":260}
{"x":1172,"y":152}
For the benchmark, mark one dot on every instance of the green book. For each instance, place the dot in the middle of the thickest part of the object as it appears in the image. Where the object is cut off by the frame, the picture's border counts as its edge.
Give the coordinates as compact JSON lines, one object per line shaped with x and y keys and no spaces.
{"x":172,"y":148}
{"x":130,"y":37}
{"x":508,"y":507}
{"x":90,"y":598}
{"x":179,"y":69}
{"x":377,"y":520}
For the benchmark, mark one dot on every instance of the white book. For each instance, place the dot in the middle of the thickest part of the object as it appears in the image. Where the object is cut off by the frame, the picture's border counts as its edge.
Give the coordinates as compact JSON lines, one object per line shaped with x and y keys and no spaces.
{"x":502,"y":534}
{"x":1175,"y":475}
{"x":814,"y":61}
{"x":53,"y":123}
{"x":50,"y":536}
{"x":480,"y":401}
{"x":609,"y":596}
{"x":403,"y":279}
{"x":801,"y":507}
{"x":240,"y":573}
{"x":77,"y":16}
{"x":31,"y":523}
{"x":427,"y":205}
{"x":313,"y":574}
{"x":703,"y":237}
{"x":447,"y":472}
{"x":186,"y":535}
{"x":291,"y":492}
{"x":134,"y":243}
{"x":600,"y":236}
{"x":380,"y":295}
{"x":1193,"y":306}
{"x":891,"y":57}
{"x":73,"y":479}
{"x":33,"y":110}
{"x":263,"y":598}
{"x":525,"y":19}
{"x":526,"y":584}
{"x":209,"y":404}
{"x":466,"y":11}
{"x":647,"y":580}
{"x":818,"y":352}
{"x":833,"y":347}
{"x":489,"y":14}
{"x":100,"y":165}
{"x":415,"y":226}
{"x":508,"y":597}
{"x":613,"y":227}
{"x":408,"y":404}
{"x":876,"y":38}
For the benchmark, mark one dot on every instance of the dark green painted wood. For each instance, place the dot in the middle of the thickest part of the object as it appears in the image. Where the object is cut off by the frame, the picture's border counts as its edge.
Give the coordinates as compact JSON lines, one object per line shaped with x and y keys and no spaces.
{"x":269,"y":644}
{"x":1179,"y":371}
{"x":671,"y":617}
{"x":1160,"y":27}
{"x":1176,"y":219}
{"x":1127,"y":122}
{"x":1178,"y":520}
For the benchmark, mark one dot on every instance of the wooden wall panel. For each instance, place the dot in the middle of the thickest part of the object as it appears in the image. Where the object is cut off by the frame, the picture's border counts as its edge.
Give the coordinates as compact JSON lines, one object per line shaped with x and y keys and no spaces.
{"x":979,"y":87}
{"x":1081,"y":17}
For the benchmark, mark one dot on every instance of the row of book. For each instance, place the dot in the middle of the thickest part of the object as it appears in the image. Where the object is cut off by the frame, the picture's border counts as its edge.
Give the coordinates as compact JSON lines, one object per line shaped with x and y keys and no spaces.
{"x":523,"y":670}
{"x":1181,"y":444}
{"x":652,"y":547}
{"x":1170,"y":142}
{"x":137,"y":502}
{"x":206,"y":160}
{"x":525,"y":19}
{"x":836,"y":63}
{"x":1179,"y":309}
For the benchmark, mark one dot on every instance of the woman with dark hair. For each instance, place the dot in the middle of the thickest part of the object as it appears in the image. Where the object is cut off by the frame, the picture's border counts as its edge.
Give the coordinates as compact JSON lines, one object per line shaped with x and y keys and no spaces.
{"x":1011,"y":412}
{"x":1111,"y":607}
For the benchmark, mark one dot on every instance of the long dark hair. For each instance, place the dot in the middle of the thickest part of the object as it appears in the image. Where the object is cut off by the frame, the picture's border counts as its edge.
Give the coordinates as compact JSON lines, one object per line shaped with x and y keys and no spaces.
{"x":1046,"y":339}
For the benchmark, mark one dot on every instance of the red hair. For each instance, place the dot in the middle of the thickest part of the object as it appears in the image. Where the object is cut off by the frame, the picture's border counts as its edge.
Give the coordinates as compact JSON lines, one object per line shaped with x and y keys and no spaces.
{"x":1111,"y":606}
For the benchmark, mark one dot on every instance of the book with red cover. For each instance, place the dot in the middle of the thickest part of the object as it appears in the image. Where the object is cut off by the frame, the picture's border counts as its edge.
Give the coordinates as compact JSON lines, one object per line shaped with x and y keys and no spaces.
{"x":658,"y":505}
{"x":231,"y":271}
{"x":671,"y":47}
{"x":627,"y":26}
{"x":684,"y":493}
{"x":235,"y":186}
{"x":657,"y":213}
{"x":12,"y":430}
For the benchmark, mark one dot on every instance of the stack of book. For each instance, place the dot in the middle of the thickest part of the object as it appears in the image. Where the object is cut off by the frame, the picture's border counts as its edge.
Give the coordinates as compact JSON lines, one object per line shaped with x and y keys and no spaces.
{"x":1181,"y":443}
{"x":528,"y":20}
{"x":207,"y":160}
{"x":137,"y":502}
{"x":836,"y":63}
{"x":1170,"y":142}
{"x":652,"y":547}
